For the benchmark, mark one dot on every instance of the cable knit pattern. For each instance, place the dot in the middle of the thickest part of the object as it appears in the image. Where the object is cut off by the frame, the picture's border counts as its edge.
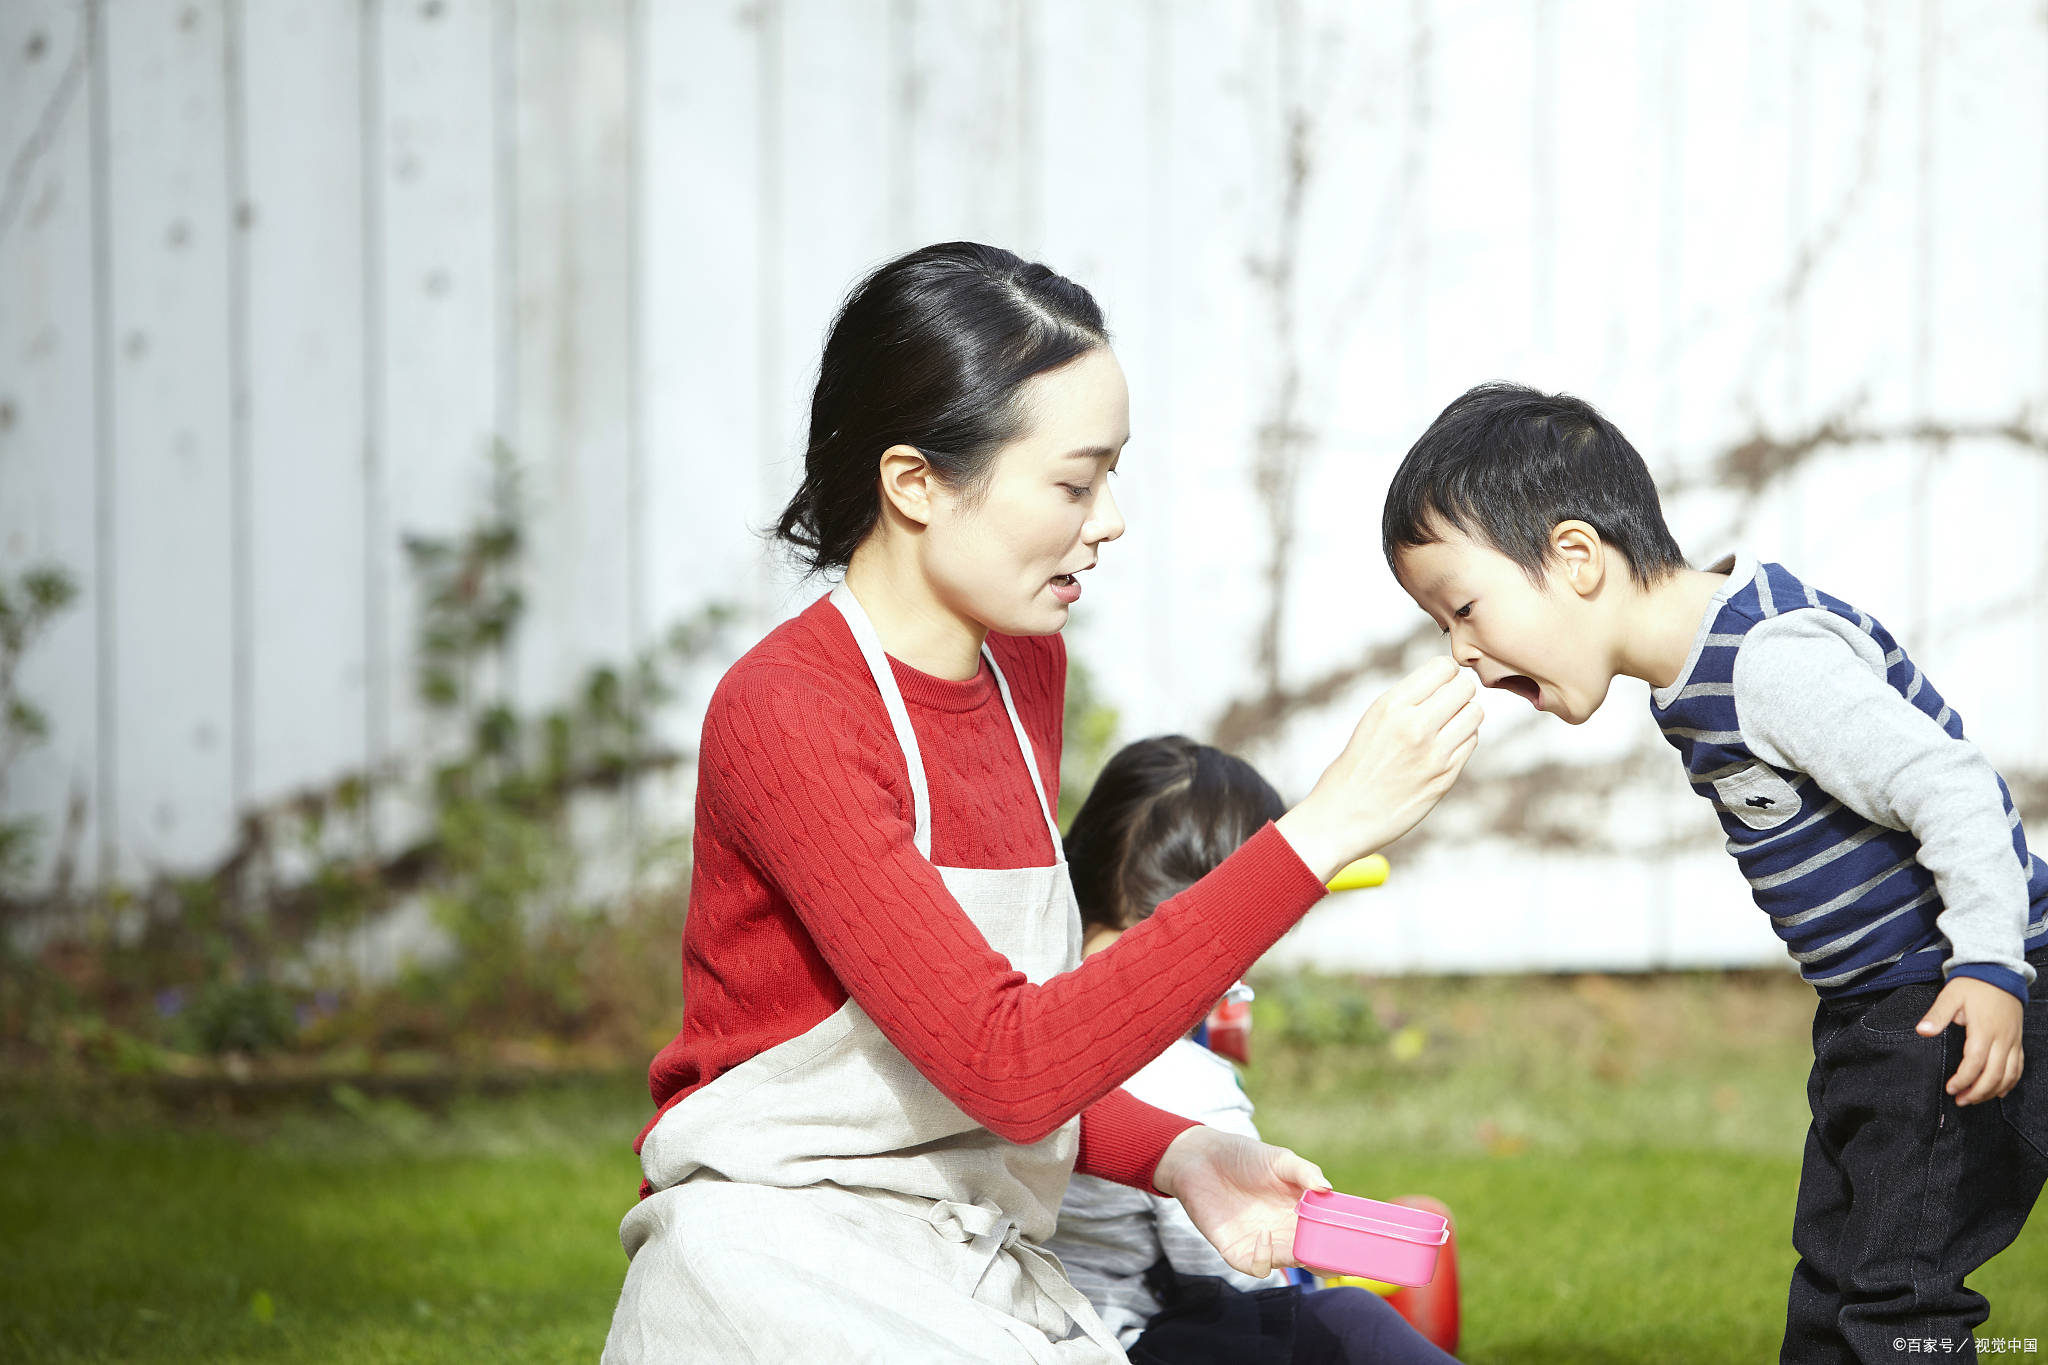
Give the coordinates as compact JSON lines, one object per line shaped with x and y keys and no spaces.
{"x":807,"y":886}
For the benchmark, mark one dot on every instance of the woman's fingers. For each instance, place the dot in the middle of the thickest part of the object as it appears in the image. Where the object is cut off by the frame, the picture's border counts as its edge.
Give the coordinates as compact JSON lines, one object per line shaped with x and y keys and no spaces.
{"x":1461,"y":755}
{"x":1420,"y":682}
{"x":1466,"y":723}
{"x":1448,"y":700}
{"x":1298,"y":1171}
{"x":1262,"y":1257}
{"x":1407,"y":748}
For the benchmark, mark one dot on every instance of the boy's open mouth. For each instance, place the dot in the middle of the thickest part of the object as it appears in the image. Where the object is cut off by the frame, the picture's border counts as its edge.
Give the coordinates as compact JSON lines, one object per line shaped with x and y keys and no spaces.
{"x":1525,"y":688}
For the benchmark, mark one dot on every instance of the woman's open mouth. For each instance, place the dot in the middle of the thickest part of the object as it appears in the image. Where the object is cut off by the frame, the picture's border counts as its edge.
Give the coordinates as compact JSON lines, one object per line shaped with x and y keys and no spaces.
{"x":1067,"y":588}
{"x":1525,"y":688}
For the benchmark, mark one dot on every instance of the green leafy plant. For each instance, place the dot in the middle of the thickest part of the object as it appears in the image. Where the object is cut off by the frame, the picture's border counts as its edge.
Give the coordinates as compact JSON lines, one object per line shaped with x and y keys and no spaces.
{"x":230,"y":961}
{"x":28,"y":604}
{"x":504,"y":886}
{"x":1089,"y":737}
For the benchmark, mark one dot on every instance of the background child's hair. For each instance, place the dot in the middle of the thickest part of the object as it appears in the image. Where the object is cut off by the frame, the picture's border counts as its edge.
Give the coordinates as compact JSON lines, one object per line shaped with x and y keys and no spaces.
{"x":1162,"y":814}
{"x":1505,"y":463}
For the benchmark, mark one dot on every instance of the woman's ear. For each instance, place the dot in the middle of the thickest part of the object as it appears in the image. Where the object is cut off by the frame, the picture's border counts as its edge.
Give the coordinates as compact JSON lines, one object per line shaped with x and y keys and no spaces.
{"x":907,"y":479}
{"x":1583,"y":554}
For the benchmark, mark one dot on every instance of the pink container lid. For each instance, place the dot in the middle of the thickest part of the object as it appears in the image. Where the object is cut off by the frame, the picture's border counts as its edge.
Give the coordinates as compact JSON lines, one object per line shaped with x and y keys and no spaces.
{"x":1370,"y":1215}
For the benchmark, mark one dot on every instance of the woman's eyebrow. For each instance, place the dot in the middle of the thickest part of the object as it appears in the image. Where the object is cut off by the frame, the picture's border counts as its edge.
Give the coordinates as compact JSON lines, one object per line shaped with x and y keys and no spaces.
{"x":1091,"y":453}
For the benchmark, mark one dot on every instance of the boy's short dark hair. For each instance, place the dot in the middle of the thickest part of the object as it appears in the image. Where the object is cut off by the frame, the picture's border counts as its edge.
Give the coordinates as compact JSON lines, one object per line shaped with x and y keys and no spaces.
{"x":1505,"y":463}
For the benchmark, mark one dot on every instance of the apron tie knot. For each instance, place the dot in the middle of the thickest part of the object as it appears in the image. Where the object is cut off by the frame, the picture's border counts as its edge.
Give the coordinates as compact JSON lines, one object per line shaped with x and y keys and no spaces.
{"x":986,"y":1231}
{"x":990,"y":1233}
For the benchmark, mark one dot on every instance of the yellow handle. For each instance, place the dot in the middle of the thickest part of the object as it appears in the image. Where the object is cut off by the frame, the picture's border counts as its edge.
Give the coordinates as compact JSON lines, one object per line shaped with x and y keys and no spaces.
{"x":1370,"y":870}
{"x":1379,"y":1287}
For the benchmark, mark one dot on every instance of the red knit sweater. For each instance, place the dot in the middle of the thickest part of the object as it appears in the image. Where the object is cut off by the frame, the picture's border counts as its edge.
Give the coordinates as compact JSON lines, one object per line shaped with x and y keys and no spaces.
{"x":806,"y":885}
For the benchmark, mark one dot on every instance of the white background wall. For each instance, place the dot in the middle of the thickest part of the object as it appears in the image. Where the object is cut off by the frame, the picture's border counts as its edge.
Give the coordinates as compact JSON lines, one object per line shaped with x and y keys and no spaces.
{"x":275,"y":273}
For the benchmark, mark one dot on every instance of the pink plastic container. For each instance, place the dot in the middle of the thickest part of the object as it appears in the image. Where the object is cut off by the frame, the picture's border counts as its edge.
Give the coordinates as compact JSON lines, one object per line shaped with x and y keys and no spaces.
{"x":1346,"y":1235}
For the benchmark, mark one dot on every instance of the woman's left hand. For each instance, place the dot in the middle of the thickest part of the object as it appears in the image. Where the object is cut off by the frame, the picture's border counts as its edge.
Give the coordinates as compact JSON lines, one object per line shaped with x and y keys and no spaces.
{"x":1240,"y":1192}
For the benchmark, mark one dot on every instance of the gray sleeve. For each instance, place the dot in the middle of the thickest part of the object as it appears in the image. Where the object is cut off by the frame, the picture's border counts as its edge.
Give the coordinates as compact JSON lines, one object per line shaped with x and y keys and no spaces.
{"x":1212,"y":1096}
{"x":1811,"y":695}
{"x":1190,"y":1253}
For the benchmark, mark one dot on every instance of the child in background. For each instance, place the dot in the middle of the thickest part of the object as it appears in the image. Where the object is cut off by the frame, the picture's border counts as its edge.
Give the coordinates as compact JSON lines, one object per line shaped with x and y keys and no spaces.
{"x":1163,"y":813}
{"x":1884,"y":847}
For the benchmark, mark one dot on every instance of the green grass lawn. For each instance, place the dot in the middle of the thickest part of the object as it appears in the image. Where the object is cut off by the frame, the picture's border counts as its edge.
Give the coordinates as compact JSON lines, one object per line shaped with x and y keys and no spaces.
{"x":488,"y":1234}
{"x":1621,"y":1156}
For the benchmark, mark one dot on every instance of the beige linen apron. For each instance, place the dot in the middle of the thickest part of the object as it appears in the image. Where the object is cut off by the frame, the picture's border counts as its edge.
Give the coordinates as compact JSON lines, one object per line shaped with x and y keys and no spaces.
{"x":824,"y":1201}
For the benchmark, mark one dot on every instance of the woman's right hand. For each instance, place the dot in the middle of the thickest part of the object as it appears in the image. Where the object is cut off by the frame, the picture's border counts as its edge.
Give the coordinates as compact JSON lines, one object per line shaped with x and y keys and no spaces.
{"x":1407,"y":751}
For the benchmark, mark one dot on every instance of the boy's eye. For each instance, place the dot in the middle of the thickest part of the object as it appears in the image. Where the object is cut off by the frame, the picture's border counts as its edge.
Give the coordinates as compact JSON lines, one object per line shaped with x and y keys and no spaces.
{"x":1464,"y":611}
{"x":1077,"y":491}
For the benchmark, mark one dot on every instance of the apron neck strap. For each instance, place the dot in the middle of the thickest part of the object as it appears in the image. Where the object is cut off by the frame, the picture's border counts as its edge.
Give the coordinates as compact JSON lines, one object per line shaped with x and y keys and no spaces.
{"x":906,"y":737}
{"x":1030,"y":757}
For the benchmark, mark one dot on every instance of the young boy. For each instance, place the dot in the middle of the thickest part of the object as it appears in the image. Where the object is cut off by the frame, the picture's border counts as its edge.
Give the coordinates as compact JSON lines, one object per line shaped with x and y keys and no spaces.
{"x":1884,"y":847}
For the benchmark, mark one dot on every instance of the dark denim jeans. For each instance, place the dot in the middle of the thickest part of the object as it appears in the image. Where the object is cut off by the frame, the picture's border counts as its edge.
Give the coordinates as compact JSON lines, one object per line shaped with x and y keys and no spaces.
{"x":1208,"y":1321}
{"x":1903,"y":1193}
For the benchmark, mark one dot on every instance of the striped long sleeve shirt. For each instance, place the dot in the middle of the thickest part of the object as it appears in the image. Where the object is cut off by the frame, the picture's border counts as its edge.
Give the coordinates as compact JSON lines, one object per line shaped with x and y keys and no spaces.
{"x":1881,"y":842}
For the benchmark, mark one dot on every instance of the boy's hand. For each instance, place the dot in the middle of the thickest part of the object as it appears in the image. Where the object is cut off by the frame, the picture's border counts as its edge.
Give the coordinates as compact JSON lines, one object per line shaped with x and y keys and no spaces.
{"x":1992,"y":1059}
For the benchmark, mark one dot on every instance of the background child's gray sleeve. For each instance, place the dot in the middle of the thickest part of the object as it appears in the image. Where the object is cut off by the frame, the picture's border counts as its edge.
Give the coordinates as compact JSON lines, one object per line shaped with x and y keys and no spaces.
{"x":1811,"y":695}
{"x":1221,"y":1105}
{"x":1190,"y":1253}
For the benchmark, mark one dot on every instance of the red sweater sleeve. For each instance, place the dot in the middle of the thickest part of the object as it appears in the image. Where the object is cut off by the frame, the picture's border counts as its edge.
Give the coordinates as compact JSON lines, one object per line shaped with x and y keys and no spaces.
{"x":806,"y":791}
{"x":1122,"y":1139}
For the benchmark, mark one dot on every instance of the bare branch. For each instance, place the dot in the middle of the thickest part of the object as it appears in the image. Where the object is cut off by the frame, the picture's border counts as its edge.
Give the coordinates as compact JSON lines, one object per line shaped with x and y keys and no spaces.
{"x":21,"y":169}
{"x":1252,"y":720}
{"x":1282,"y":444}
{"x":1751,"y":465}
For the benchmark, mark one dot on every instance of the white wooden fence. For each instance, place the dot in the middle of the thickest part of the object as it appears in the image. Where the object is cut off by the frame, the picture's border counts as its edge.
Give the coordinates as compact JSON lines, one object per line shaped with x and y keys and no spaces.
{"x":275,"y":273}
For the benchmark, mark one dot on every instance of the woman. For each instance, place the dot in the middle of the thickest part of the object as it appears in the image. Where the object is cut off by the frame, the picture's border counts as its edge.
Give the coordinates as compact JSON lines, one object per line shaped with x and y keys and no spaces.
{"x":890,"y":1059}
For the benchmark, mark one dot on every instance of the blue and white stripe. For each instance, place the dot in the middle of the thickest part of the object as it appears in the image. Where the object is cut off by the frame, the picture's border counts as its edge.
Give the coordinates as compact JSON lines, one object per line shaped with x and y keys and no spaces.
{"x":1849,"y":898}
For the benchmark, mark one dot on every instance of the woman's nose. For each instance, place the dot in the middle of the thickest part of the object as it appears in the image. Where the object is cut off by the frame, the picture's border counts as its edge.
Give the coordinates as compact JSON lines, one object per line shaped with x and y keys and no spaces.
{"x":1107,"y":521}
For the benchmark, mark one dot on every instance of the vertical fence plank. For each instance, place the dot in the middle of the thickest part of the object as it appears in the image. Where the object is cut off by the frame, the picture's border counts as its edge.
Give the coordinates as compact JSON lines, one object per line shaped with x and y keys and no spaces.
{"x":305,"y":392}
{"x":48,"y":422}
{"x":438,"y":318}
{"x":702,"y":160}
{"x":2038,"y":60}
{"x":1203,"y":224}
{"x":1088,"y":164}
{"x":1988,"y":600}
{"x":832,"y":162}
{"x":173,"y":492}
{"x":965,"y":144}
{"x":572,"y":420}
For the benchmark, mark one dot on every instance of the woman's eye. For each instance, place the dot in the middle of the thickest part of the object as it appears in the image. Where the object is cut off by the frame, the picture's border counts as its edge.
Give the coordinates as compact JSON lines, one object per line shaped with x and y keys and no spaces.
{"x":1077,"y":491}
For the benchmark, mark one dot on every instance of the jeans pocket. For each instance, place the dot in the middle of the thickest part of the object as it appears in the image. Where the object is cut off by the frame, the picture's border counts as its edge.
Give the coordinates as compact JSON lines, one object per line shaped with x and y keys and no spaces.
{"x":1899,"y":1009}
{"x":2025,"y":1106}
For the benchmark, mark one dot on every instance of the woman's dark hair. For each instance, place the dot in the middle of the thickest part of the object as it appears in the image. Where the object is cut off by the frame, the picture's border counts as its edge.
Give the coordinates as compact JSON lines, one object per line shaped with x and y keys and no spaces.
{"x":1504,"y":464}
{"x":1163,"y":813}
{"x":928,"y":351}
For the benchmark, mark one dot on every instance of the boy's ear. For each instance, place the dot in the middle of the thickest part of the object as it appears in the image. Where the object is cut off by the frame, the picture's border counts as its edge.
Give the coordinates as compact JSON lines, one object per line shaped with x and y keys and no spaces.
{"x":907,"y":479}
{"x":1583,"y":554}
